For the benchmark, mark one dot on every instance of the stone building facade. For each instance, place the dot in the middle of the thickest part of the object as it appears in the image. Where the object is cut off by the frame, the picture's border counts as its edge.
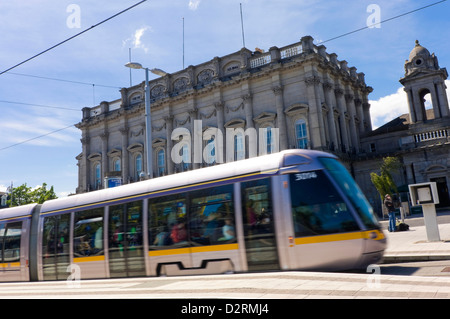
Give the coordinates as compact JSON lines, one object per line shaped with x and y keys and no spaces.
{"x":314,"y":100}
{"x":420,"y":139}
{"x":304,"y":94}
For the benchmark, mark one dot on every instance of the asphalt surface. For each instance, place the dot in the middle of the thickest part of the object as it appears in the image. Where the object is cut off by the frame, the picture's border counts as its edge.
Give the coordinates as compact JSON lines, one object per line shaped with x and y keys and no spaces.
{"x":439,"y":268}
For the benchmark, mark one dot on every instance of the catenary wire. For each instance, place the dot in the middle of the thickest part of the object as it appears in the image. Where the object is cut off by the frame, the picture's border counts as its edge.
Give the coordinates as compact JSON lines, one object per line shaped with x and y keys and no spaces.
{"x":63,"y":80}
{"x":382,"y":21}
{"x":72,"y":37}
{"x":36,"y":137}
{"x":40,"y":105}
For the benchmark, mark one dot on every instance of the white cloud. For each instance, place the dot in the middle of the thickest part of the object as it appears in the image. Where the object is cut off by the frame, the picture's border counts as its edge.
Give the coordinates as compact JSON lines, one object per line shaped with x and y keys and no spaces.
{"x":388,"y":107}
{"x":391,"y":106}
{"x":193,"y":4}
{"x":136,"y":40}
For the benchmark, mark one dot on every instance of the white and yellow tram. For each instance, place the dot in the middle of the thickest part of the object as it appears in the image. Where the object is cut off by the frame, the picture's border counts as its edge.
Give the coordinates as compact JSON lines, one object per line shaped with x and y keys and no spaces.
{"x":294,"y":210}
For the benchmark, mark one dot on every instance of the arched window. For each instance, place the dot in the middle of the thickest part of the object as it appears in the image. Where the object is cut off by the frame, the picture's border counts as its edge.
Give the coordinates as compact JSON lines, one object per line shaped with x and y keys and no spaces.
{"x":301,"y":134}
{"x":161,"y":162}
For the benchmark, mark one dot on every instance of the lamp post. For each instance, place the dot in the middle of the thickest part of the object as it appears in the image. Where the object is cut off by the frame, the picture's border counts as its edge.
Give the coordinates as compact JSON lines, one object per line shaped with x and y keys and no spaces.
{"x":148,"y":114}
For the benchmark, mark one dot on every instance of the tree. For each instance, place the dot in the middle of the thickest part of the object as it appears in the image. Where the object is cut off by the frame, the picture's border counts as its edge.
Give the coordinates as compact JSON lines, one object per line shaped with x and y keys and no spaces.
{"x":384,"y":183}
{"x":23,"y":195}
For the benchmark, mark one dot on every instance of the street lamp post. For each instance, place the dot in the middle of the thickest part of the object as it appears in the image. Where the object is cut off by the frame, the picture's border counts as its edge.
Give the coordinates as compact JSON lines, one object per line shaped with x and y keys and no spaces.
{"x":148,"y":114}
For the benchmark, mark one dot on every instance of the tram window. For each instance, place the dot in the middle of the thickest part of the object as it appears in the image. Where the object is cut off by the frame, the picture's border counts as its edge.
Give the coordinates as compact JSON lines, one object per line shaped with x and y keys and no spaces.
{"x":88,"y":233}
{"x":211,"y":218}
{"x":10,"y":242}
{"x":352,"y":190}
{"x":125,"y":227}
{"x":317,"y":207}
{"x":167,"y":222}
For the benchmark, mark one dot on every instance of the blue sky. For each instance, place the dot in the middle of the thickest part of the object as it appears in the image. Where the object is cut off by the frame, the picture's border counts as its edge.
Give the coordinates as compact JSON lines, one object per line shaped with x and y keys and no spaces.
{"x":47,"y":93}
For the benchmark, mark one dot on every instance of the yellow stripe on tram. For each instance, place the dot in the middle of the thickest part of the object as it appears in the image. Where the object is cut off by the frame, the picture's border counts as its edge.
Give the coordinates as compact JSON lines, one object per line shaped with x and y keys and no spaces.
{"x":370,"y":234}
{"x":89,"y":258}
{"x":7,"y":265}
{"x":188,"y":250}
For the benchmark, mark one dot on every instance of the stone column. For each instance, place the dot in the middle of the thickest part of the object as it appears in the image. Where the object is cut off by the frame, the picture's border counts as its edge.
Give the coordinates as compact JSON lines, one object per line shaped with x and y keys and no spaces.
{"x":442,"y":96}
{"x":125,"y":156}
{"x":169,"y":129}
{"x":342,"y":122}
{"x":195,"y":162}
{"x":248,"y":109}
{"x":316,"y":128}
{"x":360,"y":114}
{"x":412,"y":110}
{"x":85,"y":142}
{"x":281,"y":121}
{"x":331,"y":102}
{"x":349,"y":98}
{"x":220,"y":142}
{"x":105,"y":166}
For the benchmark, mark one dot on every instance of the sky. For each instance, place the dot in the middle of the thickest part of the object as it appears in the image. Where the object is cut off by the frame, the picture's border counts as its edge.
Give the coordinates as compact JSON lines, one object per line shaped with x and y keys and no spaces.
{"x":46,"y":94}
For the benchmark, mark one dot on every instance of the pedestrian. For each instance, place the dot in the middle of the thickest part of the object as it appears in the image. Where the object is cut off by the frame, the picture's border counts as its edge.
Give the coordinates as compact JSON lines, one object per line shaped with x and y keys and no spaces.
{"x":391,"y":211}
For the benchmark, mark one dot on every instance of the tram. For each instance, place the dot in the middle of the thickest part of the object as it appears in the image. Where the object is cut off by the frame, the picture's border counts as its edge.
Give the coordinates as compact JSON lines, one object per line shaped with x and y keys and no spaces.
{"x":293,"y":210}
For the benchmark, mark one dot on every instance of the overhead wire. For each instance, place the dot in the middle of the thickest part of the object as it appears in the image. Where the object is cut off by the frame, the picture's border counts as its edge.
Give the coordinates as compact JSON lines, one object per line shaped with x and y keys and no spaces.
{"x":40,"y":105}
{"x":36,"y":137}
{"x":63,"y":80}
{"x":72,"y":37}
{"x":382,"y":21}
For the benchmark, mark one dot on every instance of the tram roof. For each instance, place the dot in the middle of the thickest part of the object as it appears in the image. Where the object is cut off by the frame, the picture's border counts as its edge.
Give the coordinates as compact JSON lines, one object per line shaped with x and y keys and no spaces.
{"x":268,"y":164}
{"x":15,"y":212}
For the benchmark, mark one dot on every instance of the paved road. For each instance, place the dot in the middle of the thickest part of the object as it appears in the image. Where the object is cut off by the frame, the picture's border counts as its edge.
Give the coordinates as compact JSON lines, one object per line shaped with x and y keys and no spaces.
{"x":427,"y":268}
{"x":273,"y":285}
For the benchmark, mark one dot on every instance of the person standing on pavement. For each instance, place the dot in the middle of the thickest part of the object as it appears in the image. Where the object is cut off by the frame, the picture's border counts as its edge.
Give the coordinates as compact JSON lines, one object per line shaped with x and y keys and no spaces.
{"x":389,"y":203}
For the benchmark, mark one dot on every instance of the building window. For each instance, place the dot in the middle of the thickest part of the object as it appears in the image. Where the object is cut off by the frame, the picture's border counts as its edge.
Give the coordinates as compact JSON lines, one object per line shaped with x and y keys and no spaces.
{"x":161,"y":163}
{"x":138,"y":166}
{"x":239,"y":151}
{"x":116,"y":165}
{"x":210,"y":152}
{"x":98,"y":175}
{"x":301,"y":135}
{"x":267,"y":141}
{"x":185,"y":158}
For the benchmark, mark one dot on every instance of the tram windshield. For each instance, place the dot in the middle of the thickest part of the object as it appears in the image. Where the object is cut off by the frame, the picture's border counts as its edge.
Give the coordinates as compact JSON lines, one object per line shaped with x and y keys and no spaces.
{"x":343,"y":178}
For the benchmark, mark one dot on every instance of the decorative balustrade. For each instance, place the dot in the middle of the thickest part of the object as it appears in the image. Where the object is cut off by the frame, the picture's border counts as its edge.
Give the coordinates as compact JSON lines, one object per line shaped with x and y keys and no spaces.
{"x":431,"y":135}
{"x":291,"y":51}
{"x":260,"y":60}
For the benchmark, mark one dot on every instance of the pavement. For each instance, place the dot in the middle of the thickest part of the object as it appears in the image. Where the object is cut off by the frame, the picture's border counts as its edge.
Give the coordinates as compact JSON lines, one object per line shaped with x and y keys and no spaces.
{"x":222,"y":292}
{"x":413,"y":244}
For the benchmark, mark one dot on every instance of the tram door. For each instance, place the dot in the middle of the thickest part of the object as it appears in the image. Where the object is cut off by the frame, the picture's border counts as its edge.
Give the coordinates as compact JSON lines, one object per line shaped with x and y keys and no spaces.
{"x":126,"y":251}
{"x":55,"y":247}
{"x":259,"y":230}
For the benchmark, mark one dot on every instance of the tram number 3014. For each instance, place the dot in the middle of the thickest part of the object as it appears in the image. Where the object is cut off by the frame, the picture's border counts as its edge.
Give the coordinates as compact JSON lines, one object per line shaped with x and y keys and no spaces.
{"x":247,"y":308}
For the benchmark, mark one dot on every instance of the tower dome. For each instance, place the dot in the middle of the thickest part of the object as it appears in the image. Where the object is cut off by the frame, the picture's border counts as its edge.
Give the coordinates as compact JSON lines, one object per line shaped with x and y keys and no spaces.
{"x":419,"y":51}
